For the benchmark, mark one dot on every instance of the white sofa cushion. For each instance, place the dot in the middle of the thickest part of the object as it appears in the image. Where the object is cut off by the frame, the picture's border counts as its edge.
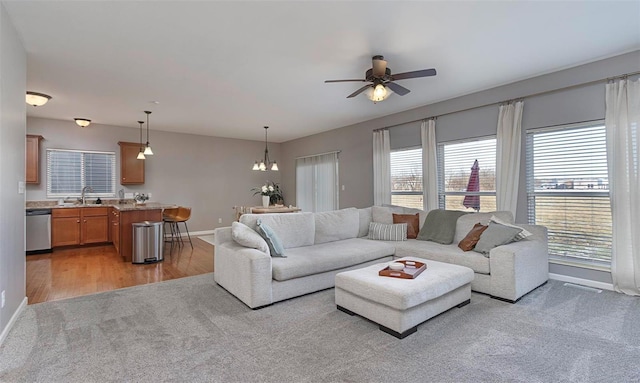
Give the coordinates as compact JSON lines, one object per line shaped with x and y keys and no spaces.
{"x":247,"y":237}
{"x":336,"y":225}
{"x":293,"y":229}
{"x":466,"y":222}
{"x":304,"y":261}
{"x":443,"y":253}
{"x":365,"y":220}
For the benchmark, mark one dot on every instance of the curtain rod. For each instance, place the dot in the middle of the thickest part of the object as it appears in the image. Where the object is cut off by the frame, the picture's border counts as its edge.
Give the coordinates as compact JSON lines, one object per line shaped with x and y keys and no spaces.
{"x":319,"y":154}
{"x":516,"y":98}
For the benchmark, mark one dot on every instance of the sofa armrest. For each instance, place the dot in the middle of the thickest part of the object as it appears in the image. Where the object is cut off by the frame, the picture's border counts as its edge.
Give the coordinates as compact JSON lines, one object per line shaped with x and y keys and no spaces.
{"x":244,"y":272}
{"x":519,"y":267}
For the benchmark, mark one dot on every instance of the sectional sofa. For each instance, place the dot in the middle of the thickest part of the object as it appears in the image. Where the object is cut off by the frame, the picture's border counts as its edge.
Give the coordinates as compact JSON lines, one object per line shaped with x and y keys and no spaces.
{"x":320,"y":245}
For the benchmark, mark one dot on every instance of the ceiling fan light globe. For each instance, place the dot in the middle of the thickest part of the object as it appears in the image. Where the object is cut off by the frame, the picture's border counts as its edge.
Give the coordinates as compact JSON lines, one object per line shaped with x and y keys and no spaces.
{"x":378,"y":93}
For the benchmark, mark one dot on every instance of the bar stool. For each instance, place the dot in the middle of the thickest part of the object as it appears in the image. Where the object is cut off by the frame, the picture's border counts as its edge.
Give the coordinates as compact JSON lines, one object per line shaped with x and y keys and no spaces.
{"x":184,"y":213}
{"x":169,"y":217}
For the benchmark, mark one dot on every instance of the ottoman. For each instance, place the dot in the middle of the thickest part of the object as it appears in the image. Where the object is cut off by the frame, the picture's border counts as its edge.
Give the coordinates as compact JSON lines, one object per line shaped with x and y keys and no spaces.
{"x":398,"y":305}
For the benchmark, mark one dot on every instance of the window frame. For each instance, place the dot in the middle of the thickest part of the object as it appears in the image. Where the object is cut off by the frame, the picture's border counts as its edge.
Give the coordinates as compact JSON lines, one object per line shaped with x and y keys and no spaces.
{"x":442,"y":193}
{"x":579,"y":258}
{"x":111,"y":181}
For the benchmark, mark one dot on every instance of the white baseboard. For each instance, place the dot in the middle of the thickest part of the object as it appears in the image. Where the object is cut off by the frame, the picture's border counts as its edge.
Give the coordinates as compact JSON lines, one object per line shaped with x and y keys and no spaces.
{"x":583,"y":282}
{"x":12,"y":321}
{"x":198,"y":233}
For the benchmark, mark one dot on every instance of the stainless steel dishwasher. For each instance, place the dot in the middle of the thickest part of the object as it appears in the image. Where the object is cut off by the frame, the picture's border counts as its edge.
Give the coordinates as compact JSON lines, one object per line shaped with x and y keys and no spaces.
{"x":38,"y":229}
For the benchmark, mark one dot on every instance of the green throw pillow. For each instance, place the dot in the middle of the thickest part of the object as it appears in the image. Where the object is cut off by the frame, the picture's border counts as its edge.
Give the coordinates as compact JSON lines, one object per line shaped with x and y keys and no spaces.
{"x":440,"y":226}
{"x":495,"y":235}
{"x":275,"y":246}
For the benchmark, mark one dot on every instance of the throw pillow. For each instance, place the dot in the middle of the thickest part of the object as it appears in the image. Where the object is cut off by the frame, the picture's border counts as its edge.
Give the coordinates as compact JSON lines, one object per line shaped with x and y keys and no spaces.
{"x":440,"y":226}
{"x":495,"y":235}
{"x":247,"y":237}
{"x":388,"y":231}
{"x":522,"y":235}
{"x":469,"y":242}
{"x":275,"y":246}
{"x":412,"y":221}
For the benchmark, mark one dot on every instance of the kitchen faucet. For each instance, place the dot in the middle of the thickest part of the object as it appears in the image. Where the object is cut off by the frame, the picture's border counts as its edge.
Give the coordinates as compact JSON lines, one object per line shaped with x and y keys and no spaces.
{"x":84,"y":189}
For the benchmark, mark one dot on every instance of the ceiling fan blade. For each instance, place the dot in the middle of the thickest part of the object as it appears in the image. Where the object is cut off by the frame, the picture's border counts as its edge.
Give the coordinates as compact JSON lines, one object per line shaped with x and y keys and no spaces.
{"x":379,"y":66}
{"x":357,"y":92}
{"x":414,"y":74}
{"x":397,"y":89}
{"x":361,"y":80}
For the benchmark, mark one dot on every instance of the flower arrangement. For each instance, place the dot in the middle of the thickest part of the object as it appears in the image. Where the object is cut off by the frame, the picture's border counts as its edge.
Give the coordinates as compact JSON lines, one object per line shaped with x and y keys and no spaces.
{"x":140,"y":197}
{"x":270,"y":189}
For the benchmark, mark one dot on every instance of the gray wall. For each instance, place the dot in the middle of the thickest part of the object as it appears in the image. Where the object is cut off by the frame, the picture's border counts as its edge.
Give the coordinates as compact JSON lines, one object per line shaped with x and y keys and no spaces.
{"x":13,"y":78}
{"x":209,"y":174}
{"x":465,"y":117}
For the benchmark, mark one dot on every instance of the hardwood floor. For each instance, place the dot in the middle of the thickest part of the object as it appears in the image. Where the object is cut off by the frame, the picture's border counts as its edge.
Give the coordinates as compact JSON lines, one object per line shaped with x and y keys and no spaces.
{"x":80,"y":271}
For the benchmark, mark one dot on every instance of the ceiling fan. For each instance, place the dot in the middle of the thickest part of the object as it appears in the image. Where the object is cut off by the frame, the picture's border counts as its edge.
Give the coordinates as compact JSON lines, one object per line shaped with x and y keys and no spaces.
{"x":380,"y":77}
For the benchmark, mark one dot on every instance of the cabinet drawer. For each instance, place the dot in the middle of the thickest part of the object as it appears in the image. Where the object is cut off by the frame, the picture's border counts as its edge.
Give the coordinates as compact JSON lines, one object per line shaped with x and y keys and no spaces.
{"x":94,"y":211}
{"x":65,"y":212}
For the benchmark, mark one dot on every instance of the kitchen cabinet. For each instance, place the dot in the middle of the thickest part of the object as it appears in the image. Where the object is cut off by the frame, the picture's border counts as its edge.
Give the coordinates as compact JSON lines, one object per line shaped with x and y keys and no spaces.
{"x":131,"y":168}
{"x":32,"y":159}
{"x":127,"y":218}
{"x":79,"y":226}
{"x":115,"y":229}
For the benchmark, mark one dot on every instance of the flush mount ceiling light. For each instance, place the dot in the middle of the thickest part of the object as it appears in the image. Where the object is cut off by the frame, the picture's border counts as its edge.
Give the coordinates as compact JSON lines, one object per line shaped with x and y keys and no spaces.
{"x":265,"y":164}
{"x":147,"y":149}
{"x":84,"y":122}
{"x":37,"y":99}
{"x":141,"y":153}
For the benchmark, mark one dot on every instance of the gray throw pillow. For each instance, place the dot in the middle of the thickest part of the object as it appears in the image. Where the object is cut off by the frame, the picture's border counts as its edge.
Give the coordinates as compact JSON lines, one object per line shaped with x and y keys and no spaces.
{"x":388,"y":231}
{"x":275,"y":245}
{"x":247,"y":237}
{"x":495,"y":235}
{"x":440,"y":226}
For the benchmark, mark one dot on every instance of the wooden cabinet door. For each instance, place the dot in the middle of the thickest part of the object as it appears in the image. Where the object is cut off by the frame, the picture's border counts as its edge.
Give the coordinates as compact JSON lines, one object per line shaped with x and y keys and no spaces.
{"x":32,"y":159}
{"x":131,"y":168}
{"x":65,"y":231}
{"x":95,"y":229}
{"x":115,"y":229}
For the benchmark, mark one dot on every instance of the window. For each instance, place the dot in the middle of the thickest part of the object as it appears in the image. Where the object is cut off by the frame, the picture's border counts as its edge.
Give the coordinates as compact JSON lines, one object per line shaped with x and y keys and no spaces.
{"x":406,"y":178}
{"x":68,"y":171}
{"x":317,"y":182}
{"x":455,"y":160}
{"x":567,"y":190}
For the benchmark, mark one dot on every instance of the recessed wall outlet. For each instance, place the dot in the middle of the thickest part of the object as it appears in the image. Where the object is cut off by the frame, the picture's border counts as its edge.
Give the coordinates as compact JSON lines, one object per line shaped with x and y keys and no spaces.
{"x":219,"y":220}
{"x":3,"y":301}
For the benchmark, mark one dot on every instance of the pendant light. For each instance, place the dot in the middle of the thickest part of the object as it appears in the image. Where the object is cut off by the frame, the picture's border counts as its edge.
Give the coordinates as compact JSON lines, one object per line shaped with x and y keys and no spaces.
{"x":265,"y":163}
{"x":37,"y":99}
{"x":147,"y":149}
{"x":141,"y":153}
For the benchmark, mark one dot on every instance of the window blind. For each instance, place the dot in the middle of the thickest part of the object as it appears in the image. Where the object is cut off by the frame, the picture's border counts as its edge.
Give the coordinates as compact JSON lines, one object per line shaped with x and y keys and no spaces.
{"x":568,"y":189}
{"x":455,"y":160}
{"x":68,"y":171}
{"x":317,"y":182}
{"x":406,"y":177}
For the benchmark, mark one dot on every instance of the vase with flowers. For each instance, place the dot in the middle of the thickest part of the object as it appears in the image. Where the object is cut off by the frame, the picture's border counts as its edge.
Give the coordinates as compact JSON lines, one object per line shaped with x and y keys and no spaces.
{"x":270,"y":193}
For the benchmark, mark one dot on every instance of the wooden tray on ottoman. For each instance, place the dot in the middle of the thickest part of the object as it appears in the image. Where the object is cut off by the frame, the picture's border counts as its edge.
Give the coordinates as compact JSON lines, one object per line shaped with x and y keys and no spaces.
{"x":410,"y":271}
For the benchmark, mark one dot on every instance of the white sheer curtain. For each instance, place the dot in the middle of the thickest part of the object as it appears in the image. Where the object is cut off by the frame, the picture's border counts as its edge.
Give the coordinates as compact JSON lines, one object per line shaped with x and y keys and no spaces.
{"x":622,"y":122}
{"x":381,"y":167}
{"x":317,"y":182}
{"x":429,"y":165}
{"x":508,"y":148}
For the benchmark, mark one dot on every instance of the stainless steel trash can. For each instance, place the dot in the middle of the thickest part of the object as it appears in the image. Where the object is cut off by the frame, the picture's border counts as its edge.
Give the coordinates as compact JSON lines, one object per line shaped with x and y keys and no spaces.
{"x":147,"y":242}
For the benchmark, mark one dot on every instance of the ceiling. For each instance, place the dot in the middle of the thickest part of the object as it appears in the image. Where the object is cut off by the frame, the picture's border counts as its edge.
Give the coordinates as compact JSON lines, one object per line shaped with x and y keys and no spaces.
{"x":229,"y":68}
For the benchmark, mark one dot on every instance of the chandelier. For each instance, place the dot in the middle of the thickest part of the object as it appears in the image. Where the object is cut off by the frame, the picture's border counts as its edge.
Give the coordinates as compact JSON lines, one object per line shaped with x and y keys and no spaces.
{"x":265,"y":164}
